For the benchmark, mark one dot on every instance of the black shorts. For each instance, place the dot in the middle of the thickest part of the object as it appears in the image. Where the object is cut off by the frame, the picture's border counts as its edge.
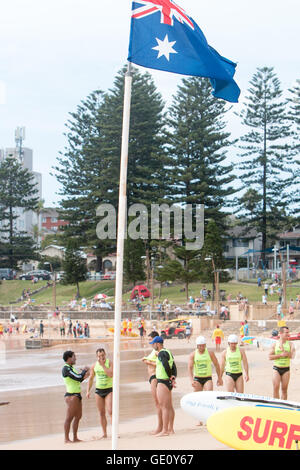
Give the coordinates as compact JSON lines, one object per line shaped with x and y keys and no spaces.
{"x":281,"y":370}
{"x":103,"y":392}
{"x":202,"y":380}
{"x":167,"y":383}
{"x":74,"y":395}
{"x":234,"y":376}
{"x":152,"y":378}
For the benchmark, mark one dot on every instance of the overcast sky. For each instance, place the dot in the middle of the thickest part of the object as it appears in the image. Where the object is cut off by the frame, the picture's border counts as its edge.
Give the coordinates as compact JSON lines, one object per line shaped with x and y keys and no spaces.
{"x":55,"y":53}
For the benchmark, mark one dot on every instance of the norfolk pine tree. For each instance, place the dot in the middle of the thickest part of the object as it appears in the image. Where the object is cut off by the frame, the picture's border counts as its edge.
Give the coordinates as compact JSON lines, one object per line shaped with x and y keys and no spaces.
{"x":294,"y":102}
{"x":267,"y":158}
{"x":197,"y":148}
{"x":146,"y":178}
{"x":212,"y":255}
{"x":17,"y":190}
{"x":146,"y":157}
{"x":198,"y":171}
{"x":90,"y":166}
{"x":74,"y":266}
{"x":81,"y":172}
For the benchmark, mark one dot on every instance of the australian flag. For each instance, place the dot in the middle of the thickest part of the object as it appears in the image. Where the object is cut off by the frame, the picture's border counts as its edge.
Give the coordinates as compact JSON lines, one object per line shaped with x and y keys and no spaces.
{"x":164,"y":37}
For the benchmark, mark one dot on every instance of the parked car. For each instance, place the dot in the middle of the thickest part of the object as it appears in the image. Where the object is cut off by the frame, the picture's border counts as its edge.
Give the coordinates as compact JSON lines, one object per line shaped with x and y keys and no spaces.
{"x":59,"y":275}
{"x":174,"y":329}
{"x":109,"y":276}
{"x":95,"y":276}
{"x":39,"y":274}
{"x":7,"y":273}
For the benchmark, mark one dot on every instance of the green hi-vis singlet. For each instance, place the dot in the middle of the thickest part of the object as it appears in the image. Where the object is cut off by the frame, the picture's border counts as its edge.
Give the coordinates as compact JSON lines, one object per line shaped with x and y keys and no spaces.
{"x":202,"y":364}
{"x":282,"y":361}
{"x":160,"y":370}
{"x":102,"y":379}
{"x":72,"y":386}
{"x":233,"y":361}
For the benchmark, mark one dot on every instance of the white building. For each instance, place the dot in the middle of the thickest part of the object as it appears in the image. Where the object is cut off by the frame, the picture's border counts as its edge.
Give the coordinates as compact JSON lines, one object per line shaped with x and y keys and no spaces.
{"x":242,"y":243}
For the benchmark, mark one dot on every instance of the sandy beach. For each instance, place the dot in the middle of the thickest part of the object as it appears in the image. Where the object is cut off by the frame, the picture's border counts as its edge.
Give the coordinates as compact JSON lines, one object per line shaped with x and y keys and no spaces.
{"x":34,"y":418}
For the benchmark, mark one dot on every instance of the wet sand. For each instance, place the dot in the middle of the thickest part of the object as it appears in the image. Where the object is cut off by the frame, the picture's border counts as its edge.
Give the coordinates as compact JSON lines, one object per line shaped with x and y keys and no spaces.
{"x":34,"y":417}
{"x":31,"y":381}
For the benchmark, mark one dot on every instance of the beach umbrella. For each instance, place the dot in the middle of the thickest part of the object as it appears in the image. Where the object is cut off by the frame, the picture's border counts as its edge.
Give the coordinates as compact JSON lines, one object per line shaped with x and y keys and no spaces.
{"x":100,"y":296}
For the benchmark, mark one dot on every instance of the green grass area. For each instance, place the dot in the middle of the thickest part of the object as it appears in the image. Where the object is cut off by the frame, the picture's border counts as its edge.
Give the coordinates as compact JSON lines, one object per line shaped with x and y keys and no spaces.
{"x":11,"y":290}
{"x":248,"y":290}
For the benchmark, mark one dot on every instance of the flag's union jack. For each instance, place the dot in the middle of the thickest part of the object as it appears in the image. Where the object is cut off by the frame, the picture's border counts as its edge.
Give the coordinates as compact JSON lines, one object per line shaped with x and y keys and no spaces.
{"x":168,"y":10}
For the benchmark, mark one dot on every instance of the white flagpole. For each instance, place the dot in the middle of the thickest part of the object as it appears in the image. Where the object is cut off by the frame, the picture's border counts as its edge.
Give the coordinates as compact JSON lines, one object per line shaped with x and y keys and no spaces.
{"x":120,"y":255}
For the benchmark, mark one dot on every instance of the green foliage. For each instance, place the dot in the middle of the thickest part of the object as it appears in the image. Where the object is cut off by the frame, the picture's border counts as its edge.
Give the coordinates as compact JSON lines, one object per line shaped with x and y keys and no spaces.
{"x":185,"y":268}
{"x":55,"y":261}
{"x":82,"y":171}
{"x":89,"y":169}
{"x":146,"y":139}
{"x":17,"y":190}
{"x":267,"y":163}
{"x":212,"y":255}
{"x":197,"y":146}
{"x":294,"y":101}
{"x":74,"y":266}
{"x":52,"y":239}
{"x":18,"y":249}
{"x":133,"y":262}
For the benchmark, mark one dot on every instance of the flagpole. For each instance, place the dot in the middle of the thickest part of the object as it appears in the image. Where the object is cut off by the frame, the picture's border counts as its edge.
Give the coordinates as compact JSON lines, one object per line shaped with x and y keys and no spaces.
{"x":122,"y":211}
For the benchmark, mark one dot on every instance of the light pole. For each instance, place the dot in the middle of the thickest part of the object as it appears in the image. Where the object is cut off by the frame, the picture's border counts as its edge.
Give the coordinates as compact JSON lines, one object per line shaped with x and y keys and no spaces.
{"x":217,"y":293}
{"x":283,"y":275}
{"x":288,"y":260}
{"x":275,"y":249}
{"x":54,"y":283}
{"x":216,"y":277}
{"x":152,"y":281}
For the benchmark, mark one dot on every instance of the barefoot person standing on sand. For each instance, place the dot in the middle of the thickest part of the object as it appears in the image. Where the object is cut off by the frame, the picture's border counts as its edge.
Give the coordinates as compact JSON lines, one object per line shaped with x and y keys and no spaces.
{"x":73,"y":379}
{"x":150,"y":361}
{"x":200,"y":367}
{"x":165,"y":374}
{"x":232,"y":361}
{"x":281,"y":353}
{"x":217,"y":336}
{"x":103,"y":370}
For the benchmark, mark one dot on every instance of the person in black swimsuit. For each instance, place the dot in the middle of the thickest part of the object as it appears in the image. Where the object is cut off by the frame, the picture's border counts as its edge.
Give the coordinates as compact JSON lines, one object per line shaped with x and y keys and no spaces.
{"x":73,"y":399}
{"x":150,"y":361}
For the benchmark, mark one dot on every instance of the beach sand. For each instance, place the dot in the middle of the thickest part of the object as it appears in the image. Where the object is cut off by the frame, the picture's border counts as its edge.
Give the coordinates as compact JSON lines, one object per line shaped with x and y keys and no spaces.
{"x":138,"y":418}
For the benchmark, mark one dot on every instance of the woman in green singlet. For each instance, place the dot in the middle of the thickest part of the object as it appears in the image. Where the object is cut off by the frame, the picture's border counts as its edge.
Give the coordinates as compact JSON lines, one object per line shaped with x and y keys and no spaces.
{"x":281,"y":353}
{"x":103,"y":371}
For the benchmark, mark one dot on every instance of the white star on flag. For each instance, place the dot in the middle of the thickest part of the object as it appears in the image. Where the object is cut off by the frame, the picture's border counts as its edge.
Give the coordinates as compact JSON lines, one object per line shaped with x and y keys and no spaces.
{"x":165,"y":48}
